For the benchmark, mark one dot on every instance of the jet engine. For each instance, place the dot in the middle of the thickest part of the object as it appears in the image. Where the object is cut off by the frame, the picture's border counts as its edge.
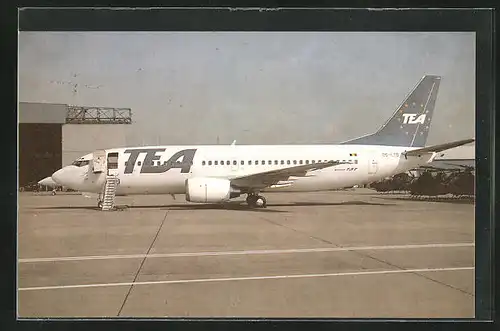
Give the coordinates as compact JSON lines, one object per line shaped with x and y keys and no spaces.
{"x":211,"y":190}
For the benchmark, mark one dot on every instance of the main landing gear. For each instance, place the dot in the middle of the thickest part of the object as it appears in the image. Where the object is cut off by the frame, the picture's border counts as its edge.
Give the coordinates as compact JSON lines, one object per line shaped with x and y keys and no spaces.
{"x":256,"y":201}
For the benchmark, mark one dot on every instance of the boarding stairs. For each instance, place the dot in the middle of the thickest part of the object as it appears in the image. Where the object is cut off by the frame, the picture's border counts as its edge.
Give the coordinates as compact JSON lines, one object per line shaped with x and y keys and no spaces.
{"x":110,"y":187}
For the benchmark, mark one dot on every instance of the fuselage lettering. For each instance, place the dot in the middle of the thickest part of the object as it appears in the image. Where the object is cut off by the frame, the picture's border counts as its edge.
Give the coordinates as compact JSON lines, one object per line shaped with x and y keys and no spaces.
{"x":148,"y":167}
{"x":394,"y":154}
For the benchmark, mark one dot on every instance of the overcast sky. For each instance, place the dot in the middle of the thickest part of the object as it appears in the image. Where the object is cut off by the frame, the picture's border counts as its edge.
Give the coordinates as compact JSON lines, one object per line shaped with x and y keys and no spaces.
{"x":255,"y":87}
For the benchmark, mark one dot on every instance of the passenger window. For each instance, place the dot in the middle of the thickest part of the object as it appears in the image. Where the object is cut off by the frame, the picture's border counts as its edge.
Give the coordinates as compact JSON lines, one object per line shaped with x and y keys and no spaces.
{"x":165,"y":163}
{"x":234,"y":162}
{"x":282,"y":162}
{"x":307,"y":161}
{"x":203,"y":163}
{"x":300,"y":161}
{"x":269,"y":162}
{"x":249,"y":162}
{"x":263,"y":162}
{"x":288,"y":162}
{"x":294,"y":161}
{"x":228,"y":163}
{"x":217,"y":163}
{"x":139,"y":163}
{"x":275,"y":161}
{"x":209,"y":163}
{"x":355,"y":161}
{"x":256,"y":162}
{"x":126,"y":163}
{"x":242,"y":162}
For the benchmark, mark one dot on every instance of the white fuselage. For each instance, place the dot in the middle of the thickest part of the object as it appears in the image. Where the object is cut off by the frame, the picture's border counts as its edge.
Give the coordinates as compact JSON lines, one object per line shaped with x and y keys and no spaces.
{"x":367,"y":163}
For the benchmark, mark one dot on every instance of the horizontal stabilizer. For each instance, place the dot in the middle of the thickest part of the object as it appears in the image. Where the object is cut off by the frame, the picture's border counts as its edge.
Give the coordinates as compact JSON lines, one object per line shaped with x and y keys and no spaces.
{"x":439,"y":148}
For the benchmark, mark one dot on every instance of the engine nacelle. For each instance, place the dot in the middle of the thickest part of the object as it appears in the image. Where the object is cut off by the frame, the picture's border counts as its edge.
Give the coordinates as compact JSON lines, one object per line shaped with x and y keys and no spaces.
{"x":211,"y":190}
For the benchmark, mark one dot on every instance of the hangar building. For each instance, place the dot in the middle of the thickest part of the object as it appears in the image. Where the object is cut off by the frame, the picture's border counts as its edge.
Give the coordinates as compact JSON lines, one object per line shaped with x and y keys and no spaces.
{"x":54,"y":135}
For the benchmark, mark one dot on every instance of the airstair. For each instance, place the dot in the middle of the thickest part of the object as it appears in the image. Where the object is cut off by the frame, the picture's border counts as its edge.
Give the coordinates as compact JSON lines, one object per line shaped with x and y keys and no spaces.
{"x":110,"y":187}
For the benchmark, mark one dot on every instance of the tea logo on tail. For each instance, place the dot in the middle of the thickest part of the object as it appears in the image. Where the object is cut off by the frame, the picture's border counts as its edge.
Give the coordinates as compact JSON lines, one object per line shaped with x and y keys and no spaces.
{"x":413,"y":119}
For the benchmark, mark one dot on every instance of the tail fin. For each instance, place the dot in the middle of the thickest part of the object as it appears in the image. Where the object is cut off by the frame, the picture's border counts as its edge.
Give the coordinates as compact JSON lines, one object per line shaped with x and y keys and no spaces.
{"x":409,"y":125}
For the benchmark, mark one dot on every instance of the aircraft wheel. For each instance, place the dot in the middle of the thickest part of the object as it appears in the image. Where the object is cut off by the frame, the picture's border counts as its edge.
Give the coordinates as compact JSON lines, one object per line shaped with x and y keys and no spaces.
{"x":256,"y":201}
{"x":99,"y":204}
{"x":251,"y":200}
{"x":260,"y":202}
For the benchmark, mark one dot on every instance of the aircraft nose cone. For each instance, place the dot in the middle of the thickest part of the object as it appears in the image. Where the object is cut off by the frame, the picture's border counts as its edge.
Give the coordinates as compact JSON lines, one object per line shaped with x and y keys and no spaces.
{"x":58,"y":176}
{"x":48,"y":181}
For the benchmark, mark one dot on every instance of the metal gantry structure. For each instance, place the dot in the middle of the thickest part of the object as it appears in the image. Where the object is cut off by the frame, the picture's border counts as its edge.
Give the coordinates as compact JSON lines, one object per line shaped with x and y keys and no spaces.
{"x":98,"y":115}
{"x":92,"y":115}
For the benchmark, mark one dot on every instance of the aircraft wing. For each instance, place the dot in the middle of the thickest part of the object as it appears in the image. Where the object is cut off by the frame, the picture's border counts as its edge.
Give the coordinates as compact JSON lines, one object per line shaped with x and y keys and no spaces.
{"x":438,"y":148}
{"x":280,"y":177}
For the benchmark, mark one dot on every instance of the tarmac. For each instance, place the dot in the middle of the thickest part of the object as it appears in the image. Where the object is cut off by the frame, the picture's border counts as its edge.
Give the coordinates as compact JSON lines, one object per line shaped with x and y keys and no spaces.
{"x":339,"y":254}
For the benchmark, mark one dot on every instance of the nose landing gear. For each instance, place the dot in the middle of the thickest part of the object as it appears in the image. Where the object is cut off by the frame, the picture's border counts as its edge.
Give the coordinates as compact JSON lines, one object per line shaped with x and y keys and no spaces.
{"x":100,"y":200}
{"x":256,"y":201}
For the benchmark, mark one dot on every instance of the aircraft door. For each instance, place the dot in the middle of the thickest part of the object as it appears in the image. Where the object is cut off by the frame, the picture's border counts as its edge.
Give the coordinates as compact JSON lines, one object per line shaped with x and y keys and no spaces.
{"x":99,"y":161}
{"x":372,"y":166}
{"x":112,"y":163}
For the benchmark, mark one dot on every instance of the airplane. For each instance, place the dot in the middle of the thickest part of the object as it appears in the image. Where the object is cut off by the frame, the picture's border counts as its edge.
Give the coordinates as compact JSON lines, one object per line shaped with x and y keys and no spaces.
{"x":219,"y":173}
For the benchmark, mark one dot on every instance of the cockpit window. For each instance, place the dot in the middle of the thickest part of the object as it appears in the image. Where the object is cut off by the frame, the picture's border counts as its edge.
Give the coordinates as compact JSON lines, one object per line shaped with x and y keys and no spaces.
{"x":80,"y":163}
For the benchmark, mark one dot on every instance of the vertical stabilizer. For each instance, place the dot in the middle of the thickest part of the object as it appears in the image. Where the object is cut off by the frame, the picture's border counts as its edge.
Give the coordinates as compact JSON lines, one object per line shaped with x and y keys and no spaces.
{"x":410,"y":123}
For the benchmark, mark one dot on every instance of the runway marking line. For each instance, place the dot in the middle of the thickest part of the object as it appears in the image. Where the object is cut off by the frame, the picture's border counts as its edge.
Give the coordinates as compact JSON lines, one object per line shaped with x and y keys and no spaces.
{"x":207,"y":280}
{"x":246,"y":252}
